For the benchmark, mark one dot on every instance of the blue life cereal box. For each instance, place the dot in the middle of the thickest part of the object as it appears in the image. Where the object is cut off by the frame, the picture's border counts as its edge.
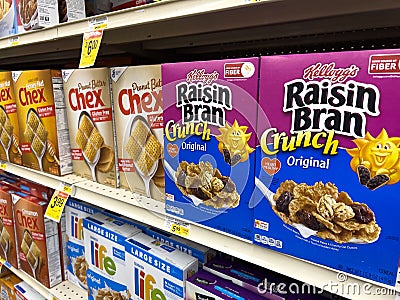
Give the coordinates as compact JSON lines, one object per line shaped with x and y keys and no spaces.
{"x":75,"y":212}
{"x":156,"y":270}
{"x":105,"y":254}
{"x":328,"y":165}
{"x":209,"y":142}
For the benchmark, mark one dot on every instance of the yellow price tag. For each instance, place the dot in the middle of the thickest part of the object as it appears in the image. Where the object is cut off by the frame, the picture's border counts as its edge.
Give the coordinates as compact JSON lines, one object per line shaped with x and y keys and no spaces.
{"x":66,"y":188}
{"x":3,"y":166}
{"x":180,"y":230}
{"x":90,"y":48}
{"x":56,"y":205}
{"x":13,"y":41}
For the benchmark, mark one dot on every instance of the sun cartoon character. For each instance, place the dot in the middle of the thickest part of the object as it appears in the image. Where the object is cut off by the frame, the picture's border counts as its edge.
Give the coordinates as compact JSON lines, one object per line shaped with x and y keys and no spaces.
{"x":233,"y":143}
{"x":376,"y":160}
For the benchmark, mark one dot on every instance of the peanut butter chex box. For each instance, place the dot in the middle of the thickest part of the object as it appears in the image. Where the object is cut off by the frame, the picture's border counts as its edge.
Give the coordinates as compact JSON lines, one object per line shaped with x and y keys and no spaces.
{"x":10,"y":148}
{"x":139,"y":128}
{"x":90,"y":118}
{"x":42,"y":120}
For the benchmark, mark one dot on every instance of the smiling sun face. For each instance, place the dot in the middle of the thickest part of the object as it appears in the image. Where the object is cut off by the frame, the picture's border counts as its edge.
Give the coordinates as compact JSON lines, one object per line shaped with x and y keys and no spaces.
{"x":234,"y":139}
{"x":380,"y":155}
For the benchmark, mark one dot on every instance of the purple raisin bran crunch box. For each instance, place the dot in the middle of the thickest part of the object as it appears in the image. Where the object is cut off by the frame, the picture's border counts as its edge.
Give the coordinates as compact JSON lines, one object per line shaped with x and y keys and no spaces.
{"x":328,"y":165}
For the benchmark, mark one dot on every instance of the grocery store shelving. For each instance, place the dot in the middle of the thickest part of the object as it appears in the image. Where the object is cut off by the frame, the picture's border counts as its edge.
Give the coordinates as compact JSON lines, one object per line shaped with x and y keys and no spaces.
{"x":62,"y":291}
{"x":151,"y":212}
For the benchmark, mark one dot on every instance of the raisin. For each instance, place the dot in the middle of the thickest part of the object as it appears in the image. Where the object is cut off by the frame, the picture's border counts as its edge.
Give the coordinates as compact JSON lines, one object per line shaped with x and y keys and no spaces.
{"x":308,"y":220}
{"x":181,"y":178}
{"x":198,"y":192}
{"x":227,"y":156}
{"x":363,"y":174}
{"x":282,"y":204}
{"x":229,"y":186}
{"x":377,"y":181}
{"x":363,"y":214}
{"x":235,"y":159}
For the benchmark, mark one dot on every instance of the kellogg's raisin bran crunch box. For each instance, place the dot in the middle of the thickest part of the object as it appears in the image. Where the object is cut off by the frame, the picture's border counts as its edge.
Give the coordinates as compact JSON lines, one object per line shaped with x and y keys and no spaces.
{"x":139,"y":129}
{"x":210,"y":108}
{"x":42,"y":120}
{"x":91,"y":129}
{"x":328,"y":165}
{"x":10,"y":146}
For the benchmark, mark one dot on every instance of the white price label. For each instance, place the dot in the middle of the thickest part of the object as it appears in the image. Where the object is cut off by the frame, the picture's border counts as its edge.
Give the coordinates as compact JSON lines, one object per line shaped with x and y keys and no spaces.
{"x":98,"y":23}
{"x":177,"y":227}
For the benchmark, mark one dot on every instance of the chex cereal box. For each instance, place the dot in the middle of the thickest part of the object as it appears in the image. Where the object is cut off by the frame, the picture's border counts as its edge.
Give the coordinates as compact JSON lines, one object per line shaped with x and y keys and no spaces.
{"x":75,"y":212}
{"x":38,"y":240}
{"x":328,"y":162}
{"x":24,"y":291}
{"x":201,"y":252}
{"x":205,"y":285}
{"x":8,"y":242}
{"x":210,"y":108}
{"x":108,"y":271}
{"x":138,"y":116}
{"x":43,"y":124}
{"x":156,"y":270}
{"x":10,"y":146}
{"x":91,"y":129}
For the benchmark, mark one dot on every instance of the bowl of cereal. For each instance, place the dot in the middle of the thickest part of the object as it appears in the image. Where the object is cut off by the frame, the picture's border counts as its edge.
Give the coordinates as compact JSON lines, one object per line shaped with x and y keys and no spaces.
{"x":28,"y":13}
{"x":6,"y":17}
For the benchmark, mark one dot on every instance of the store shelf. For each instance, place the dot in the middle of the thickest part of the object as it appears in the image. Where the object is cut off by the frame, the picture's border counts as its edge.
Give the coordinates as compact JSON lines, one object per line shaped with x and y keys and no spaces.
{"x":199,"y":26}
{"x":62,"y":291}
{"x":151,"y":212}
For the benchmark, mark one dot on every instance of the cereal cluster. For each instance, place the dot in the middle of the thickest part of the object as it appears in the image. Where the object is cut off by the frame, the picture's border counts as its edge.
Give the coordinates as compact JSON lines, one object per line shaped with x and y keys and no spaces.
{"x":143,"y":147}
{"x":88,"y":138}
{"x":207,"y":184}
{"x":4,"y":238}
{"x":35,"y":133}
{"x":81,"y":266}
{"x":107,"y":294}
{"x":321,"y":207}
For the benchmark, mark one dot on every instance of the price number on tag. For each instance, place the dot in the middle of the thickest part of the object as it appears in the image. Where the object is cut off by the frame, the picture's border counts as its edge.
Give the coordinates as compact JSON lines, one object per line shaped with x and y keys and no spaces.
{"x":91,"y":45}
{"x":180,"y":230}
{"x":57,"y":201}
{"x":56,"y":206}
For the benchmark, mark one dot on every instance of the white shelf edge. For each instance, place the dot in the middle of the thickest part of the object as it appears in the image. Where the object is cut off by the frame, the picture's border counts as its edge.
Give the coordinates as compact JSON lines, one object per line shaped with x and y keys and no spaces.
{"x":151,"y":212}
{"x":62,"y":291}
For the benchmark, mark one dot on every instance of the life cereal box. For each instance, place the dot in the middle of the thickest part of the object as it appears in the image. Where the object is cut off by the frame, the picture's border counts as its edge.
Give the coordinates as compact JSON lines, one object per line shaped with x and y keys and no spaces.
{"x":91,"y":129}
{"x":38,"y":240}
{"x":75,"y":212}
{"x":10,"y":148}
{"x":107,"y":276}
{"x":210,"y":108}
{"x":139,"y":129}
{"x":43,"y":122}
{"x":328,"y":165}
{"x":156,"y":270}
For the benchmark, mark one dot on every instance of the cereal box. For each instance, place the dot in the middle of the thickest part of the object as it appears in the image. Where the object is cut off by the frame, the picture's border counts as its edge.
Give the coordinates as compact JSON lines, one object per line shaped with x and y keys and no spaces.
{"x":25,"y":292}
{"x":105,"y":253}
{"x":205,"y":285}
{"x":209,"y":142}
{"x":75,"y":212}
{"x":328,"y":162}
{"x":10,"y":146}
{"x":251,"y":277}
{"x":8,"y":18}
{"x":8,"y":244}
{"x":91,"y":129}
{"x":139,"y":128}
{"x":202,"y":253}
{"x":8,"y":283}
{"x":35,"y":14}
{"x":38,"y":240}
{"x":156,"y":270}
{"x":43,"y":126}
{"x":71,"y":10}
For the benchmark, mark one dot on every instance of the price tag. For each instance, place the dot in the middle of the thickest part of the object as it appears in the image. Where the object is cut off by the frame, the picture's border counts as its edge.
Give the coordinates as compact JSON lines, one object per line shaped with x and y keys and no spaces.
{"x":98,"y":23}
{"x":3,"y":166}
{"x":177,"y":227}
{"x":90,"y":47}
{"x":56,"y":206}
{"x":13,"y":41}
{"x":66,"y":188}
{"x":52,"y":297}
